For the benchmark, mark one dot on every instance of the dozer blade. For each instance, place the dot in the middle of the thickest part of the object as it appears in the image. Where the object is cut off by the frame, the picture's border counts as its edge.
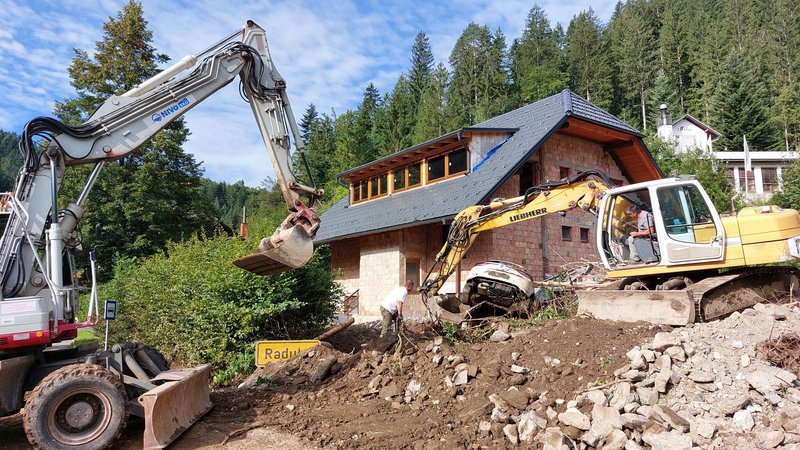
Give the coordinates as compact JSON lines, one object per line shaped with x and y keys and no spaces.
{"x":286,"y":249}
{"x":175,"y":405}
{"x":658,"y":307}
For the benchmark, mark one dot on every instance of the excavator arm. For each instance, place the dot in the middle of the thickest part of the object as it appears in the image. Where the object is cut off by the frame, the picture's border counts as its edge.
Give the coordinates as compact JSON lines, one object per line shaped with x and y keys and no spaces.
{"x":541,"y":200}
{"x":39,"y":300}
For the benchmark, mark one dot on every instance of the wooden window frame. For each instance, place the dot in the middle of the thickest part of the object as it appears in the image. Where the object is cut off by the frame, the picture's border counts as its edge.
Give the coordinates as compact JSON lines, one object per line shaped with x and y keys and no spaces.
{"x":584,"y":231}
{"x":404,"y":172}
{"x":568,"y":230}
{"x":447,"y":174}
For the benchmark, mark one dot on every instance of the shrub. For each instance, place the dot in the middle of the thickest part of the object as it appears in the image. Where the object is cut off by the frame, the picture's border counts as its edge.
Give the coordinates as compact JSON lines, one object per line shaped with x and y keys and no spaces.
{"x":194,"y":305}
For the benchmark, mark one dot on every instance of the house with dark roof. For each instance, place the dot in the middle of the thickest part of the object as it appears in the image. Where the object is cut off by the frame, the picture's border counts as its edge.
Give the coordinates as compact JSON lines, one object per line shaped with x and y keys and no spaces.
{"x":397,"y":215}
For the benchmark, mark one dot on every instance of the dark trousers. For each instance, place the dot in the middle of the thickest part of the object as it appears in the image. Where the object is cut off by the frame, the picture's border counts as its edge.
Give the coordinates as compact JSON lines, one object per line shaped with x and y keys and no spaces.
{"x":388,"y":318}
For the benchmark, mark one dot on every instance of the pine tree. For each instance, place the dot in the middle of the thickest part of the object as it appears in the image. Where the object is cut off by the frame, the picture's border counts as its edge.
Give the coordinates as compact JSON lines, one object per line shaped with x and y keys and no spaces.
{"x":432,"y":120}
{"x":364,"y":148}
{"x":633,"y":49}
{"x":537,"y":59}
{"x":421,"y":66}
{"x":478,"y":89}
{"x":741,"y":105}
{"x":673,"y":37}
{"x":662,"y":93}
{"x":153,"y":195}
{"x":782,"y":54}
{"x":10,"y":160}
{"x":307,"y":122}
{"x":400,"y":116}
{"x":588,"y":59}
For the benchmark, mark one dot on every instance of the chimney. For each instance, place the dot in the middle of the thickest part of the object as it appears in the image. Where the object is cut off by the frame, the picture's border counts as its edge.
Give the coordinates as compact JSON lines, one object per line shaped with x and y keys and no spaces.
{"x":664,"y":124}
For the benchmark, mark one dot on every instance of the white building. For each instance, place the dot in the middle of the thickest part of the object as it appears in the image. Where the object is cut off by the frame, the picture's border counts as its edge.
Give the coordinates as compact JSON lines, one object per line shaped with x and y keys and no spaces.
{"x":686,"y":133}
{"x":689,"y":133}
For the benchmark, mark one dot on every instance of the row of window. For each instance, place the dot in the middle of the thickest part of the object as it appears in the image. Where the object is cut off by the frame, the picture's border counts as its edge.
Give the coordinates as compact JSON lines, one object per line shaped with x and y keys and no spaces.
{"x":566,"y":234}
{"x":769,"y":179}
{"x":439,"y":168}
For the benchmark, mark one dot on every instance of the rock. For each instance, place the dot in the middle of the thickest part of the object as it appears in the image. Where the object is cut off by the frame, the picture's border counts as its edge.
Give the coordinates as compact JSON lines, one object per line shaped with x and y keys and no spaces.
{"x":289,"y":407}
{"x":632,"y":445}
{"x":702,"y":377}
{"x":604,"y":421}
{"x":500,"y":402}
{"x":647,"y":396}
{"x":633,"y":421}
{"x":770,"y":438}
{"x":460,"y":378}
{"x":527,"y":426}
{"x":323,"y":369}
{"x":620,"y":395}
{"x":737,"y":344}
{"x":551,"y":413}
{"x":436,"y":360}
{"x":646,"y":411}
{"x":769,"y":378}
{"x":553,"y":439}
{"x":671,"y":441}
{"x":519,"y":369}
{"x":412,"y":390}
{"x":663,"y":363}
{"x":662,"y":380}
{"x":516,"y":398}
{"x":744,"y":361}
{"x":706,"y":429}
{"x":616,"y":440}
{"x":490,"y":371}
{"x":517,"y":379}
{"x":552,"y":362}
{"x":664,"y":340}
{"x":484,"y":428}
{"x":510,"y":431}
{"x":633,"y":375}
{"x":499,"y":336}
{"x":500,"y":416}
{"x":389,"y":391}
{"x":743,"y":420}
{"x":653,"y":430}
{"x":729,"y":406}
{"x":541,"y":422}
{"x":438,"y":340}
{"x":631,"y":407}
{"x":597,"y":397}
{"x":676,"y":353}
{"x":515,"y":356}
{"x":575,"y":418}
{"x":672,"y":418}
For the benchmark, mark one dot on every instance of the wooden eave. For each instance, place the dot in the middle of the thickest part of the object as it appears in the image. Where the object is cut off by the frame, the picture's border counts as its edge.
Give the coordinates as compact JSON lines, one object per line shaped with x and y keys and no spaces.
{"x":627,"y":149}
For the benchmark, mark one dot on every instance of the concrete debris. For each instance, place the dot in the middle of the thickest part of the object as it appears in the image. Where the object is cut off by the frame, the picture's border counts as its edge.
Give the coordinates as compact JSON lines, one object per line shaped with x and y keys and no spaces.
{"x":744,"y":420}
{"x":573,"y":417}
{"x":499,"y":336}
{"x":519,"y":369}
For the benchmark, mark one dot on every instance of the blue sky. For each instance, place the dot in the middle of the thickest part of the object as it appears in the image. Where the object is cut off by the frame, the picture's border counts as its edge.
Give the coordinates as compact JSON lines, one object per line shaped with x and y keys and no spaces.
{"x":327,"y":51}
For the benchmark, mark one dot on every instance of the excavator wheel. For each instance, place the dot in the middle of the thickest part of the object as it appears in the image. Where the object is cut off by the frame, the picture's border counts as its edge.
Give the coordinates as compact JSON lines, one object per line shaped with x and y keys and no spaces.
{"x":81,"y":406}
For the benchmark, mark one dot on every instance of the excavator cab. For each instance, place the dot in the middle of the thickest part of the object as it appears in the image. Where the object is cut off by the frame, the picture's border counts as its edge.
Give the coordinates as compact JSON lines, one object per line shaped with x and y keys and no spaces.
{"x":688,"y":229}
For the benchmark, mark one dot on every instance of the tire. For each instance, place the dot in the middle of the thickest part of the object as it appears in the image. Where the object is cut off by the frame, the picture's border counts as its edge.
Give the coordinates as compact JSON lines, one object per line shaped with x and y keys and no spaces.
{"x":78,"y":407}
{"x":158,"y":359}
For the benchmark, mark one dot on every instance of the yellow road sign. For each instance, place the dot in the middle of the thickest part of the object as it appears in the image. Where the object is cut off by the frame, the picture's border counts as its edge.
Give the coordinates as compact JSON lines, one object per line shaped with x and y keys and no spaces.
{"x":271,"y":351}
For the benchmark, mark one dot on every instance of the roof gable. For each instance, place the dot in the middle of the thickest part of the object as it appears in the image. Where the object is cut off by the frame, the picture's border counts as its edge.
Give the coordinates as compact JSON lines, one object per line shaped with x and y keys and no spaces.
{"x":440,"y":201}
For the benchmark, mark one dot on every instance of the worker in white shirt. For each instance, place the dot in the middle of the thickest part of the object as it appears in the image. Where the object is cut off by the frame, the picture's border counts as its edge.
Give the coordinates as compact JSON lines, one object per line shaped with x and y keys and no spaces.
{"x":392,"y":306}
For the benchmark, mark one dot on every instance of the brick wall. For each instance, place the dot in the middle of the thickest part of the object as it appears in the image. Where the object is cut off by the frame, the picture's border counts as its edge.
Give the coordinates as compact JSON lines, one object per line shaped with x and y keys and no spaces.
{"x":375,"y":264}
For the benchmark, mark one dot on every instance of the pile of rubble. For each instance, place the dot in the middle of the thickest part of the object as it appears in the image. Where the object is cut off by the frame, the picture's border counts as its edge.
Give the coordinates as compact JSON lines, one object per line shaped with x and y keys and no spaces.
{"x":700,"y":385}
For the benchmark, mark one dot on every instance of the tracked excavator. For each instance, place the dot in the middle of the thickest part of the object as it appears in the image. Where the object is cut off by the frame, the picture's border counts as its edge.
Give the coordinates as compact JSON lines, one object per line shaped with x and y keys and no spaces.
{"x":82,"y":401}
{"x":692,"y":265}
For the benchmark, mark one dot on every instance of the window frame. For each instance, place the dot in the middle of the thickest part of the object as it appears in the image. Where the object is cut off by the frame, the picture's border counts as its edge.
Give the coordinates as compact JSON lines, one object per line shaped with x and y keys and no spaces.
{"x":584,"y":231}
{"x":568,"y":236}
{"x":447,"y":174}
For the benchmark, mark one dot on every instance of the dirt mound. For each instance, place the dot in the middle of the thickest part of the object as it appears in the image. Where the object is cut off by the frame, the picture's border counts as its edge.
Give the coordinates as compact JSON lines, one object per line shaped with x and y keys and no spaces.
{"x":429,"y":392}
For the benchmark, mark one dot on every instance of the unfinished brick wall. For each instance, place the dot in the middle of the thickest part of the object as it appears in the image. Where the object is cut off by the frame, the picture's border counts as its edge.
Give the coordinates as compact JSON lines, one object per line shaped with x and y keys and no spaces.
{"x":376,"y":264}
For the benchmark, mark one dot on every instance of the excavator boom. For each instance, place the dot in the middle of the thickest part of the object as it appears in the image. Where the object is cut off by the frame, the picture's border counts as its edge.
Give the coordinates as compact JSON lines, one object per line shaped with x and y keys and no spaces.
{"x":41,"y":302}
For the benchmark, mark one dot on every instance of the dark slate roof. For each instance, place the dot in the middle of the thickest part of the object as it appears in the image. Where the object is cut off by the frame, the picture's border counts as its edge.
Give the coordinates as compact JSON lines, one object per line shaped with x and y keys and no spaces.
{"x":442,"y":200}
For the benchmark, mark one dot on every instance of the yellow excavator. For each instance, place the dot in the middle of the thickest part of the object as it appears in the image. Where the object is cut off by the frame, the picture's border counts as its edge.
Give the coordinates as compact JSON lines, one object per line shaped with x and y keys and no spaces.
{"x":685,"y":264}
{"x":73,"y":400}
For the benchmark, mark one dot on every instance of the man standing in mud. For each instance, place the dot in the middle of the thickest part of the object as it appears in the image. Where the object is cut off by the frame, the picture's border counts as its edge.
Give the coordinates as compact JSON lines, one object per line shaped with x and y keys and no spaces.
{"x":392,"y":306}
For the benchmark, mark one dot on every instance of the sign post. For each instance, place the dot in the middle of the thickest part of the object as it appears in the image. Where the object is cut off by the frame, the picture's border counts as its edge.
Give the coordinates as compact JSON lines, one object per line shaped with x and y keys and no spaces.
{"x":110,"y":314}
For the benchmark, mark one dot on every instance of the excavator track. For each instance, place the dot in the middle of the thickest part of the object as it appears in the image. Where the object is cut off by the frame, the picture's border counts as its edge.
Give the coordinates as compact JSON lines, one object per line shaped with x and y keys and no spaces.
{"x":708,"y":299}
{"x":721,"y":295}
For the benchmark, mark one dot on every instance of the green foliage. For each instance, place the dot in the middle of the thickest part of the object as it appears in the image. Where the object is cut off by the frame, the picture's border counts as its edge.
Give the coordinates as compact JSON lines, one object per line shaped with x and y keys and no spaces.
{"x":194,"y":305}
{"x":450,"y":331}
{"x":10,"y":160}
{"x":432,"y":120}
{"x":421,"y":66}
{"x":588,"y":59}
{"x":537,"y":60}
{"x":790,"y":197}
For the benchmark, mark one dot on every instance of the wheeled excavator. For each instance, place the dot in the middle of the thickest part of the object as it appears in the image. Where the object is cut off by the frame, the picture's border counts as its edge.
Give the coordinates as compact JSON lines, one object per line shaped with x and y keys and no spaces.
{"x":82,"y":401}
{"x":696,"y":266}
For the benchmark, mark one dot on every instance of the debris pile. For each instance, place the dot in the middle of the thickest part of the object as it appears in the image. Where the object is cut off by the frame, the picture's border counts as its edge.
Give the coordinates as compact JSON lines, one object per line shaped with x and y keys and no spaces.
{"x":700,"y":385}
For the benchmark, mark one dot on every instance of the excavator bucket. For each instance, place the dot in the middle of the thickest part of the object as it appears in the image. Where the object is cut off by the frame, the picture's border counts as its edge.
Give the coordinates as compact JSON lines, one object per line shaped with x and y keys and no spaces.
{"x":287,"y":249}
{"x":174,"y":406}
{"x":658,"y":307}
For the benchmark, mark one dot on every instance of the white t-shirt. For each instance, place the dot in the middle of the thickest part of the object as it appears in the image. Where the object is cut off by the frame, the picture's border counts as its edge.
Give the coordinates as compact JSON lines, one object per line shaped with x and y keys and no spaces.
{"x":396,"y":295}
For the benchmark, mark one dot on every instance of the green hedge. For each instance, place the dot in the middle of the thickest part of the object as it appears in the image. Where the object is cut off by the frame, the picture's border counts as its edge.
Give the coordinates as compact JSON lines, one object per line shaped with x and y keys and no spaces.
{"x":194,"y":305}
